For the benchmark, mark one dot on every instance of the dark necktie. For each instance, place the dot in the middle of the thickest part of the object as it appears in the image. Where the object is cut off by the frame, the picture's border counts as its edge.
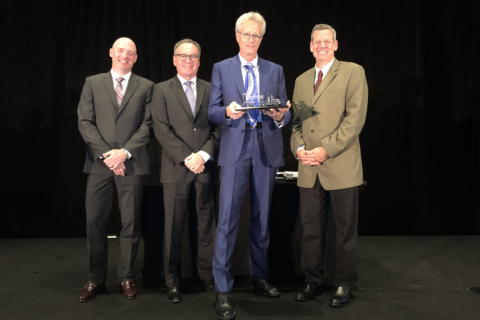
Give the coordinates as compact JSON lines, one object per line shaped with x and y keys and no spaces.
{"x":319,"y":81}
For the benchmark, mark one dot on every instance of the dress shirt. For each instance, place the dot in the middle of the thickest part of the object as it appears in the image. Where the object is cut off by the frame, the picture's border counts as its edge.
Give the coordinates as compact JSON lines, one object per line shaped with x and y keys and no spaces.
{"x":203,"y":154}
{"x":193,"y":85}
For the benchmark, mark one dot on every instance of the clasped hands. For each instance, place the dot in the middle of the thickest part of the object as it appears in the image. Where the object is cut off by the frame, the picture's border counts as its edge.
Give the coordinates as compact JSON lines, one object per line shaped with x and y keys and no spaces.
{"x":115,"y":160}
{"x":195,"y":163}
{"x":276,"y":114}
{"x":314,"y":157}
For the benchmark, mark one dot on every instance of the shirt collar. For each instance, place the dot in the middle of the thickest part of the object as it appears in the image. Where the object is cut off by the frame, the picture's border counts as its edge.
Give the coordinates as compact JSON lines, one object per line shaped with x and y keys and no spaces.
{"x":116,"y":75}
{"x":254,"y":62}
{"x":324,"y":69}
{"x":182,"y":80}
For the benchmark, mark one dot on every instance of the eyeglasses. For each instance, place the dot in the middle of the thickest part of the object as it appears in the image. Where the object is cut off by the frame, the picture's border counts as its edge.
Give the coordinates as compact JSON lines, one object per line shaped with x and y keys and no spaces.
{"x":248,"y":36}
{"x":183,"y":57}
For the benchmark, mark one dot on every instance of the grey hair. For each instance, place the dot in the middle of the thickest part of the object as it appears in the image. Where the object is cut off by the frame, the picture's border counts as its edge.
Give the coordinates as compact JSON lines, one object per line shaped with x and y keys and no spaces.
{"x":195,"y":43}
{"x":324,"y":27}
{"x":252,"y":16}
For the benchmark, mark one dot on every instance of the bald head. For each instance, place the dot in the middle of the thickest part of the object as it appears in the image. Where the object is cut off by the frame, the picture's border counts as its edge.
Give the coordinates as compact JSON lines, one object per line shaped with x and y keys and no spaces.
{"x":124,"y":55}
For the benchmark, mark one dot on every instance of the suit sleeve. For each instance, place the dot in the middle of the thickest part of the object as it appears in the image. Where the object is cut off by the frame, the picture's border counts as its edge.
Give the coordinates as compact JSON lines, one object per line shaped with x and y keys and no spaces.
{"x":87,"y":122}
{"x":171,"y":144}
{"x":212,"y":144}
{"x":142,"y":136}
{"x":216,"y":109}
{"x":297,"y":136}
{"x":356,"y":101}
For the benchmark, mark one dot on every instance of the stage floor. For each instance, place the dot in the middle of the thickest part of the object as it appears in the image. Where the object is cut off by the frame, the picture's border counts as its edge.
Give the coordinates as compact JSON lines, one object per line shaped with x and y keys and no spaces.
{"x":436,"y":277}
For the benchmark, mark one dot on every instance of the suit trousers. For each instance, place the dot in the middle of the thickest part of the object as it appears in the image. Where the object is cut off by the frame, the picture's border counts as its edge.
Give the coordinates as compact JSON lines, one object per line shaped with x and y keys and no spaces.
{"x":194,"y":199}
{"x":100,"y":189}
{"x":252,"y":166}
{"x":314,"y":204}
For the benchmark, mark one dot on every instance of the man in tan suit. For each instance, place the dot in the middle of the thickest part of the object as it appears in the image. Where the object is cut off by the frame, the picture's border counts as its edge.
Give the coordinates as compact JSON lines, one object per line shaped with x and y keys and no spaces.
{"x":330,"y":104}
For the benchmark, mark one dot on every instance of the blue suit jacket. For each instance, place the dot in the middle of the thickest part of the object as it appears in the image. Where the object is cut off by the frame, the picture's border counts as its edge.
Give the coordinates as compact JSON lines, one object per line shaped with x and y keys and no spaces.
{"x":227,"y":86}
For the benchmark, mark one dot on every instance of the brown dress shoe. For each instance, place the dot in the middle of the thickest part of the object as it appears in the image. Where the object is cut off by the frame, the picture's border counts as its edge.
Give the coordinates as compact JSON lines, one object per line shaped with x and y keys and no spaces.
{"x":129,"y":290}
{"x":90,"y":291}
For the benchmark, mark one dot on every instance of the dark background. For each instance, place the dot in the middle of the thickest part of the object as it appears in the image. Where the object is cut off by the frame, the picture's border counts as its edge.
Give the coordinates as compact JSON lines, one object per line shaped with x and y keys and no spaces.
{"x":420,"y":143}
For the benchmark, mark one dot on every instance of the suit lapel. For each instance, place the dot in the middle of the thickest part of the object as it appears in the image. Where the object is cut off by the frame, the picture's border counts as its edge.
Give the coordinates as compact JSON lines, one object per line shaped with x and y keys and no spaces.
{"x":235,"y":69}
{"x":177,"y":88}
{"x":264,"y":71}
{"x":133,"y":84}
{"x":200,"y":94}
{"x":108,"y":82}
{"x":332,"y":73}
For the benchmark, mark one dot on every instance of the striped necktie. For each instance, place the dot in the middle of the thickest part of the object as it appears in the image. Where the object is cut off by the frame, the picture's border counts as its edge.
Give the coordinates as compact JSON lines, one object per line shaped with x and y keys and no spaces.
{"x":119,"y":91}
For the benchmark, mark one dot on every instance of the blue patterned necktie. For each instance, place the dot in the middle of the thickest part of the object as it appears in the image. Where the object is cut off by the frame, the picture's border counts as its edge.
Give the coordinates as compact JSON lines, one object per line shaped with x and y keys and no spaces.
{"x":252,"y":96}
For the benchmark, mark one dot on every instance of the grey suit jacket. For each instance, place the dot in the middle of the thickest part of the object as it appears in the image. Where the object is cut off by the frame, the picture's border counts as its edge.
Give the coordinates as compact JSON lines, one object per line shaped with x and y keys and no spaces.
{"x":105,"y":126}
{"x":181,"y":133}
{"x":333,"y":119}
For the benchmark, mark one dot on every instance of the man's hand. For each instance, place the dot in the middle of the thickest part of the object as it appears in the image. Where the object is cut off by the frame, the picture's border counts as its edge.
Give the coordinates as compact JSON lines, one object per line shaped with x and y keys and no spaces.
{"x":120,"y":171}
{"x":114,"y":158}
{"x":314,"y":157}
{"x":231,"y":113}
{"x":277,"y":114}
{"x":195,"y":163}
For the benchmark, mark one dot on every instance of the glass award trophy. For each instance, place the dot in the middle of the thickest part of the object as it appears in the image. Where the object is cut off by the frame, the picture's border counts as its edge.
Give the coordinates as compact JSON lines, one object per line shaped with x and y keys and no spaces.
{"x":257,"y":102}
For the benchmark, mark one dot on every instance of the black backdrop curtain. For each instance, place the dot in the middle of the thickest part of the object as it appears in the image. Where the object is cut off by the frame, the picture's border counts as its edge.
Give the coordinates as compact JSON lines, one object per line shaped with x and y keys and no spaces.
{"x":420,"y":143}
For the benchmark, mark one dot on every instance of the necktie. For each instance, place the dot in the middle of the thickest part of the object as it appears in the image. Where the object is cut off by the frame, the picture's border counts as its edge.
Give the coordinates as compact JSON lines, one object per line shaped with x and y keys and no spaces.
{"x":119,"y":91}
{"x":319,"y":81}
{"x":252,"y":95}
{"x":190,"y":96}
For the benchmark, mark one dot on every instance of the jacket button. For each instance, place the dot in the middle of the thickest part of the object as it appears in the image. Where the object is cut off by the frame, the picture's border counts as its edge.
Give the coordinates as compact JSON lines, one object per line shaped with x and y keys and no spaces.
{"x":242,"y":131}
{"x":194,"y":129}
{"x":313,"y":131}
{"x":114,"y":140}
{"x":118,"y":123}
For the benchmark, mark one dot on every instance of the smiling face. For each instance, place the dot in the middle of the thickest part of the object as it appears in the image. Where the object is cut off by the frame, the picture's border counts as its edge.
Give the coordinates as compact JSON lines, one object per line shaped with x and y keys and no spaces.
{"x":249,"y":48}
{"x":124,"y":55}
{"x":186,"y":69}
{"x":323,"y":47}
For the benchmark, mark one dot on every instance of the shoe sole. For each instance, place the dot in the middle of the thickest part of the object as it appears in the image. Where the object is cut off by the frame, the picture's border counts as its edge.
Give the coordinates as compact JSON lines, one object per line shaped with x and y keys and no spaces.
{"x":253,"y":289}
{"x":338,"y":305}
{"x":226,"y":318}
{"x":304,"y":299}
{"x":174,"y":301}
{"x":129,"y":298}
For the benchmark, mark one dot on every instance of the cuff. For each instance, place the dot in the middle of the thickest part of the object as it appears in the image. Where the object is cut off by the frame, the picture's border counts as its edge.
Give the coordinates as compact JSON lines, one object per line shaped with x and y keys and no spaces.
{"x":128,"y":154}
{"x":300,"y":147}
{"x":204,"y":155}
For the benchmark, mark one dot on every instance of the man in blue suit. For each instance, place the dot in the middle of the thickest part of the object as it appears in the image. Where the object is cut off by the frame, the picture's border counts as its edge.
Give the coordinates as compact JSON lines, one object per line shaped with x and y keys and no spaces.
{"x":251,"y":150}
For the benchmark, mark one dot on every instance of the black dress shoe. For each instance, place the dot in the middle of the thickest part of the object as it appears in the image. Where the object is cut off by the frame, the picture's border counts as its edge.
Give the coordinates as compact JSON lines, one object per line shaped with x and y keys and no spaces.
{"x":208,"y":285}
{"x":307,"y":291}
{"x":262,"y":286}
{"x":173,"y":295}
{"x":224,"y":306}
{"x":340,"y":298}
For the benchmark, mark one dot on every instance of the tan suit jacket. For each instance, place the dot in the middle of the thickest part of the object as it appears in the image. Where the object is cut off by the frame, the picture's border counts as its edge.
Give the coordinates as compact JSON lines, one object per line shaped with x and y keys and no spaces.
{"x":333,"y":119}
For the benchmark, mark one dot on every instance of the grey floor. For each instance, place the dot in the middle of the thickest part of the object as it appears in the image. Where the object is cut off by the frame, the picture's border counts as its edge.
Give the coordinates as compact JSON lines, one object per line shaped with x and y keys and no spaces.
{"x":401,"y":278}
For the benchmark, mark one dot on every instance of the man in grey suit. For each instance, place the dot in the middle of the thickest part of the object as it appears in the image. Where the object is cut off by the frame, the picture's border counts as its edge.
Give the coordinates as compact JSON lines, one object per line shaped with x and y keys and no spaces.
{"x":189,"y":145}
{"x":115,"y":123}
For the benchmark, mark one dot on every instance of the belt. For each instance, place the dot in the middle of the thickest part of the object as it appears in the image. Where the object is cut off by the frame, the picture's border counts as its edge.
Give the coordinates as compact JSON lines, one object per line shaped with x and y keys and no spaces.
{"x":259,"y":125}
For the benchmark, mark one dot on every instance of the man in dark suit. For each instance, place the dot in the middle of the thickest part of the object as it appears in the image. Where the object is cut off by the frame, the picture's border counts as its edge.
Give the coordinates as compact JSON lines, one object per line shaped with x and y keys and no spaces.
{"x":115,"y":123}
{"x":330,"y":104}
{"x":251,"y":149}
{"x":189,"y":147}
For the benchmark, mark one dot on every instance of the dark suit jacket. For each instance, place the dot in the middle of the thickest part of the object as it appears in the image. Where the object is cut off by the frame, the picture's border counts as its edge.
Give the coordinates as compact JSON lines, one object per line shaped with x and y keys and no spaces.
{"x":104,"y":126}
{"x":180,"y":132}
{"x":228,"y":86}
